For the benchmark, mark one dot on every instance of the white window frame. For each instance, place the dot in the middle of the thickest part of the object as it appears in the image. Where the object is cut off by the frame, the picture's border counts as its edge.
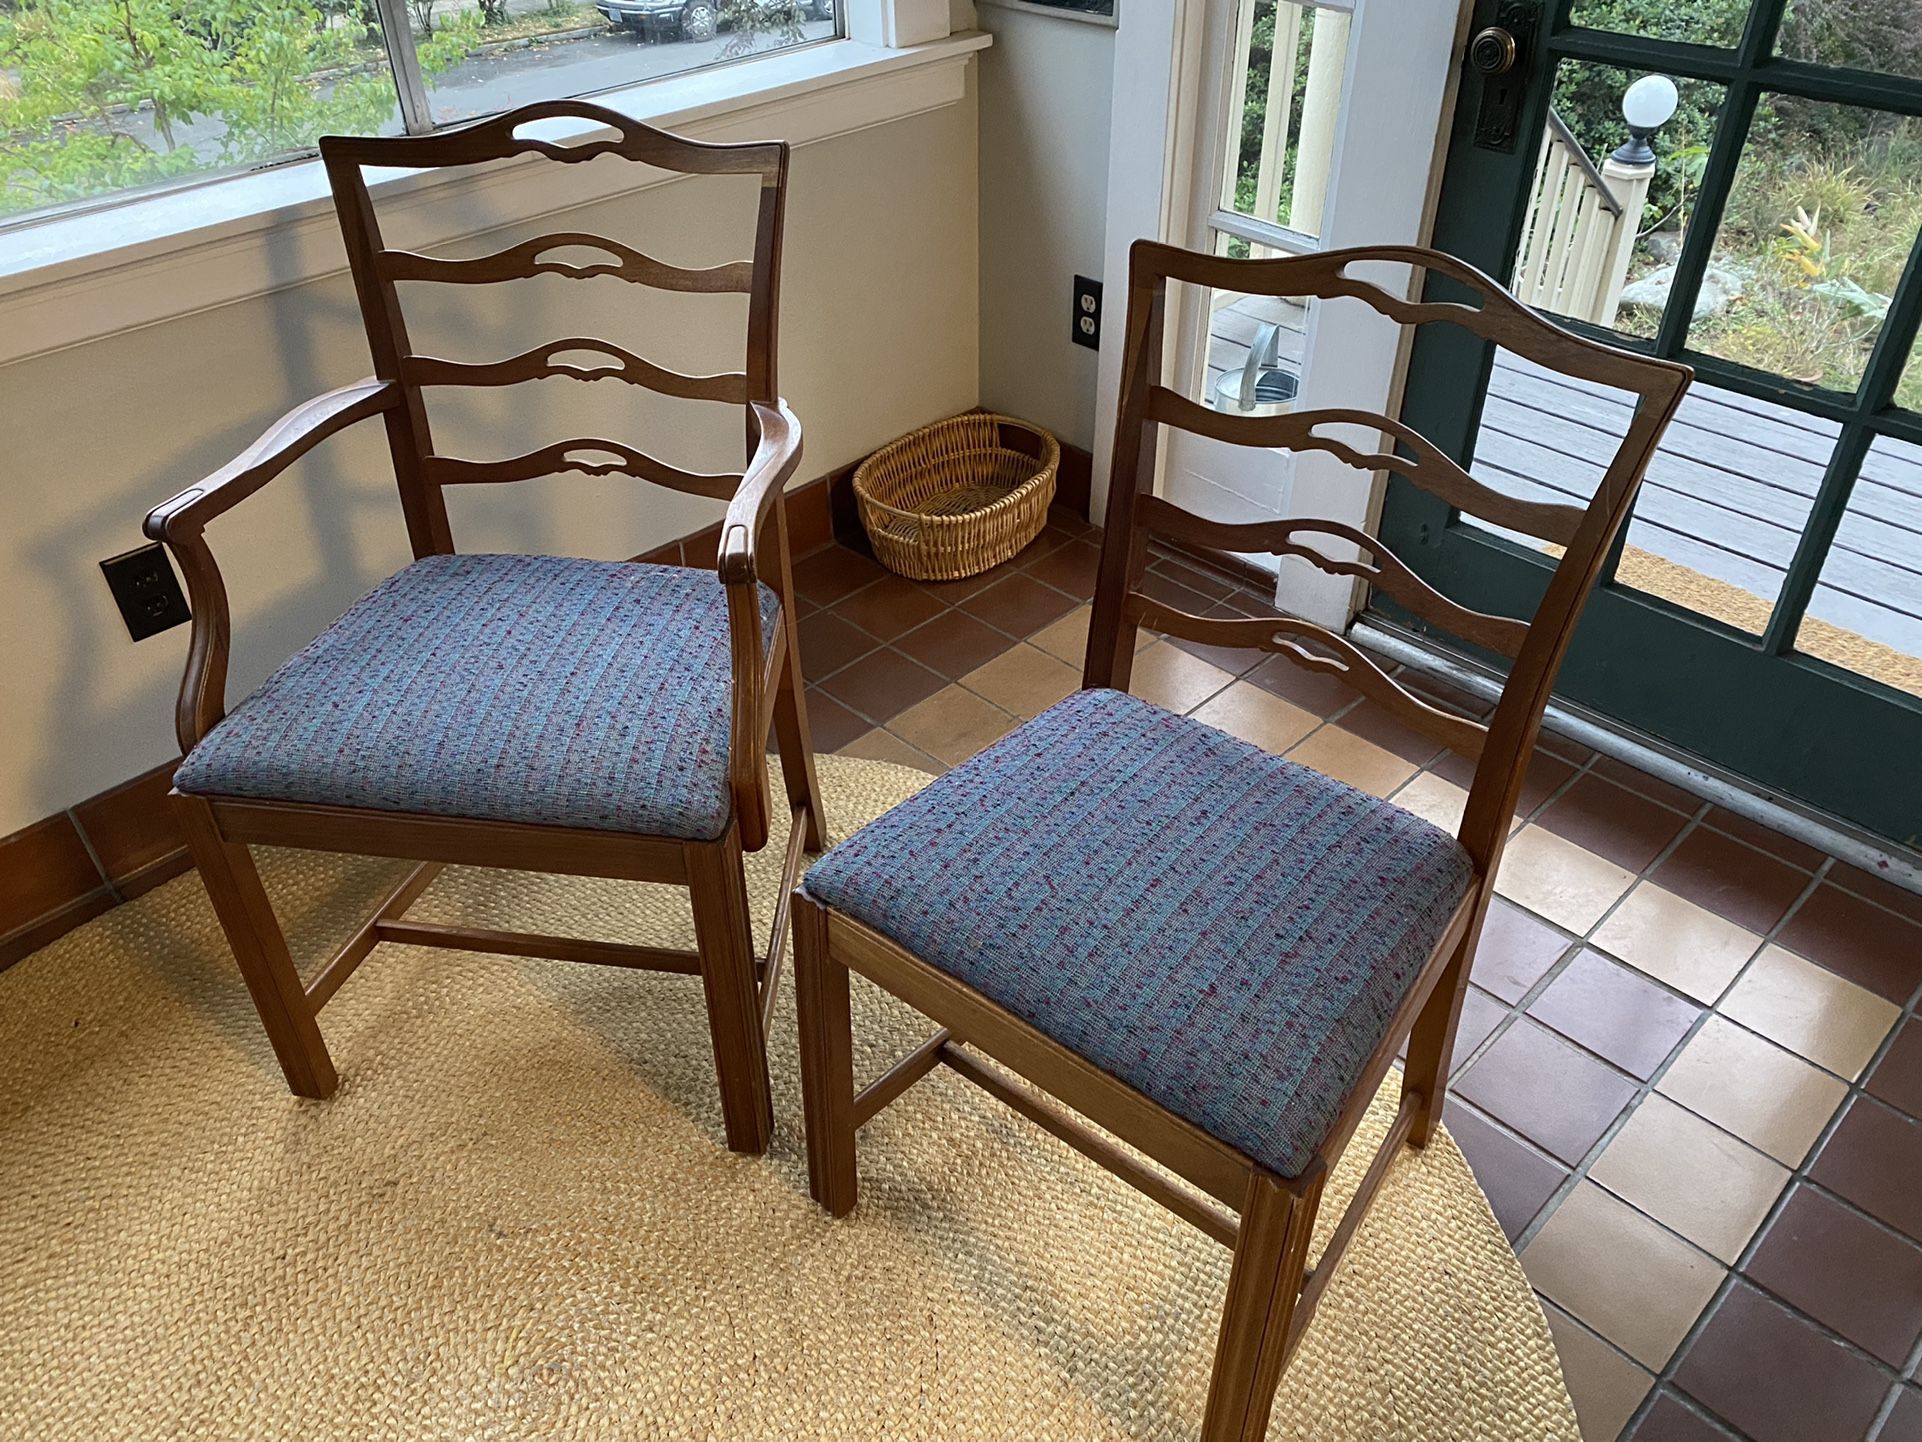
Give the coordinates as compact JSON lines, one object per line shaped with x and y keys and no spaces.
{"x":76,"y":278}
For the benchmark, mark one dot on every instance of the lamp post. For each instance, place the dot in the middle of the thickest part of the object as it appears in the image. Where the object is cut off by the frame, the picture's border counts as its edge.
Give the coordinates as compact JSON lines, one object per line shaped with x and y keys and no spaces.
{"x":1646,"y":106}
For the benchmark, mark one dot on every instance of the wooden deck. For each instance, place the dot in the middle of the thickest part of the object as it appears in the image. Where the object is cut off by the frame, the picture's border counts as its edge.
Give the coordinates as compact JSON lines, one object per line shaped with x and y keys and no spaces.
{"x":1726,"y":497}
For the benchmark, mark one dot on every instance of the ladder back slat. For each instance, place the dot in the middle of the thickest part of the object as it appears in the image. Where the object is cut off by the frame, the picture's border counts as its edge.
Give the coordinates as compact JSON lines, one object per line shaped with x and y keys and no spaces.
{"x":524,"y":261}
{"x":540,"y":364}
{"x":574,"y":456}
{"x":1429,"y":468}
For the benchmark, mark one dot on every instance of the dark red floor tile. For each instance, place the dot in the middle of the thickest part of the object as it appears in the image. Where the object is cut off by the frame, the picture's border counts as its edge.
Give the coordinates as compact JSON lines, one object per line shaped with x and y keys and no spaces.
{"x":1517,"y":1179}
{"x":1779,"y":1378}
{"x":1737,"y":882}
{"x":1655,"y":789}
{"x":889,"y":607}
{"x":833,"y":572}
{"x":1877,"y":888}
{"x":828,"y":643}
{"x":1447,"y":696}
{"x":1852,"y":1276}
{"x":1516,"y":951}
{"x":1764,"y":838}
{"x":1904,"y":1422}
{"x":1071,"y":568}
{"x":830,"y":723}
{"x":1161,"y":587}
{"x":1235,"y":660}
{"x":1564,"y":749}
{"x":1859,"y":940}
{"x":1558,"y":1097}
{"x":953,"y":593}
{"x":1615,"y":1012}
{"x":1874,"y":1159}
{"x":1671,"y":1419}
{"x":1481,"y":1014}
{"x":1613,"y":822}
{"x":1897,"y":1078}
{"x":1018,"y":604}
{"x":1209,"y":583}
{"x":1311,"y":690}
{"x":882,"y":684}
{"x":1374,"y":722}
{"x":954,"y":643}
{"x":1546,"y":775}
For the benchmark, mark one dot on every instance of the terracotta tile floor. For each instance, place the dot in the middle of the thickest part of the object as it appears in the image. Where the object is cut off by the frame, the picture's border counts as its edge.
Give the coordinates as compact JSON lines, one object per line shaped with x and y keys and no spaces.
{"x":1691,"y":1070}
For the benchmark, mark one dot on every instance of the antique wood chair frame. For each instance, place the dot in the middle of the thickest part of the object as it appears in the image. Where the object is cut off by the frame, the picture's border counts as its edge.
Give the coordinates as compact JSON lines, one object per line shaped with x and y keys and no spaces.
{"x":1268,"y":1220}
{"x":766,"y":677}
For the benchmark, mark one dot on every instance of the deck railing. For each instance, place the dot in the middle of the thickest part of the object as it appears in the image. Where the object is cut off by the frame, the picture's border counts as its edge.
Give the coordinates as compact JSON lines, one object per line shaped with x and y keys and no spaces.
{"x":1579,"y":231}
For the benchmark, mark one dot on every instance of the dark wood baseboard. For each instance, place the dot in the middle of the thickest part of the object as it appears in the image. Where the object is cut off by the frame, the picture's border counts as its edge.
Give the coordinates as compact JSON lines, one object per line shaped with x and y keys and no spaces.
{"x":72,"y":866}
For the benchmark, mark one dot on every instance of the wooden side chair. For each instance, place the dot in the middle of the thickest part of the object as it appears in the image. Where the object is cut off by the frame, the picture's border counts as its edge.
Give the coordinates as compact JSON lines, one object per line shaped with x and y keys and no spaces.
{"x":1208,"y":951}
{"x":534,"y":712}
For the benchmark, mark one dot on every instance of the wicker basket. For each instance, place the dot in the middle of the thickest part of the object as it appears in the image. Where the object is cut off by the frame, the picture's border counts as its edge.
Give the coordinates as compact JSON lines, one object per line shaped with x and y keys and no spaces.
{"x":957,"y":497}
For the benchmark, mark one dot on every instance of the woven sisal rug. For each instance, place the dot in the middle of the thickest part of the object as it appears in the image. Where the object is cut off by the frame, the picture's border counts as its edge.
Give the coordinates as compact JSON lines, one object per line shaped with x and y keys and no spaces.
{"x":516,"y":1218}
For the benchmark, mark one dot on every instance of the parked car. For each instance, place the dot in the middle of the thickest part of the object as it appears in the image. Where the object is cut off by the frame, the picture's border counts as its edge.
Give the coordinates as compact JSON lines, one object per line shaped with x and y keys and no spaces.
{"x":686,"y":19}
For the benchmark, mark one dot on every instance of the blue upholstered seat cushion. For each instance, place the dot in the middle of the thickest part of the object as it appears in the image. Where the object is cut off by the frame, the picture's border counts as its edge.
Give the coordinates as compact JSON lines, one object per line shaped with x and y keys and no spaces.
{"x":506,"y":688}
{"x":1227,"y":932}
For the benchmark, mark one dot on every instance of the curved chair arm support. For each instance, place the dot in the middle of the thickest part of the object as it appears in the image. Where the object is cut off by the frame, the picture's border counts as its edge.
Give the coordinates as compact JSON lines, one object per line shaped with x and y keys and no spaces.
{"x":777,"y":453}
{"x":181,"y":523}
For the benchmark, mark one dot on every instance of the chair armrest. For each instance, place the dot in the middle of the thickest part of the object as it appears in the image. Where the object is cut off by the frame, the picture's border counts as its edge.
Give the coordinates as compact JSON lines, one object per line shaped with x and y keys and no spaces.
{"x":776,"y":454}
{"x":181,"y":522}
{"x":283,"y":443}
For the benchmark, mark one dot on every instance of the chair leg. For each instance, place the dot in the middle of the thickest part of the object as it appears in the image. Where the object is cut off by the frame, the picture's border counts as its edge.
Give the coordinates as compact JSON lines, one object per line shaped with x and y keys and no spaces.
{"x":796,"y":745}
{"x":718,"y":886}
{"x":1271,"y":1263}
{"x":827,"y":1060}
{"x":1431,"y":1044}
{"x":240,"y":901}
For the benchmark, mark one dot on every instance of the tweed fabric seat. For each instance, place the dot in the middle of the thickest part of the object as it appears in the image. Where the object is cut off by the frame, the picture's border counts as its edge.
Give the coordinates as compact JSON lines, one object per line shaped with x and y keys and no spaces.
{"x":1228,"y":932}
{"x":504,"y":688}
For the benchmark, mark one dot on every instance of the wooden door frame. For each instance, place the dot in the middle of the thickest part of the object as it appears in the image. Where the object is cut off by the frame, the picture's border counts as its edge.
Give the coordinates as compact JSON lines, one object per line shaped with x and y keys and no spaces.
{"x":1645,"y":662}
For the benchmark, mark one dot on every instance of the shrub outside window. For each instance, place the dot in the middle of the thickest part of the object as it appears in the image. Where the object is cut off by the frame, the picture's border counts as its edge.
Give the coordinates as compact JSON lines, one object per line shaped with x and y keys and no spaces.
{"x":102,"y":99}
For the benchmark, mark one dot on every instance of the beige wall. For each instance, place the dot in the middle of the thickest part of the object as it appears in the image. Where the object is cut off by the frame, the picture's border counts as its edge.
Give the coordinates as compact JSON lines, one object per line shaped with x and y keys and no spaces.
{"x":880,"y":323}
{"x":1045,"y":91}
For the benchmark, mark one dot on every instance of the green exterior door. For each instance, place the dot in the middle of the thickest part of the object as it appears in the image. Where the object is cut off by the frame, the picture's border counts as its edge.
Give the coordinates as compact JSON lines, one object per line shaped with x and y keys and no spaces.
{"x":1764,"y":612}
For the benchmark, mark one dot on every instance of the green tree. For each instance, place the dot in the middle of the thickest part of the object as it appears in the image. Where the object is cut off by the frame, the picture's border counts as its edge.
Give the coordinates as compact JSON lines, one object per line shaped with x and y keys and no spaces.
{"x":104,"y":93}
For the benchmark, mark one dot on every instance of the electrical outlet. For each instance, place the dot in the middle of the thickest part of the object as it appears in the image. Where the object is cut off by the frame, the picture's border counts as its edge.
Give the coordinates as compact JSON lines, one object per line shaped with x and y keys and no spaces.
{"x":144,"y":586}
{"x":1087,"y":312}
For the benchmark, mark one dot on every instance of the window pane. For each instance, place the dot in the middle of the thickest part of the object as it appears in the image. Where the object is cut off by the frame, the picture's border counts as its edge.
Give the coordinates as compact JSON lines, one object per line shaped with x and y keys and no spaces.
{"x":1724,"y":504}
{"x":1883,"y":35}
{"x":1699,"y":22}
{"x":200,"y":86}
{"x":1607,"y":214}
{"x":1818,"y":227}
{"x":1289,"y":93}
{"x":479,"y":61}
{"x":1866,"y":611}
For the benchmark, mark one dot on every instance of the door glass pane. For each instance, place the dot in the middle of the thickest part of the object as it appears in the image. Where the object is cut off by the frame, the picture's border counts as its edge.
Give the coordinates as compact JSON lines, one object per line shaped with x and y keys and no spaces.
{"x":1723,"y":505}
{"x":1818,"y":227}
{"x":102,"y":99}
{"x":1908,"y":390}
{"x":1866,"y":611}
{"x":1287,"y":94}
{"x":478,"y":61}
{"x":1884,"y":35}
{"x":1698,"y":22}
{"x":1607,"y":211}
{"x":1255,"y":346}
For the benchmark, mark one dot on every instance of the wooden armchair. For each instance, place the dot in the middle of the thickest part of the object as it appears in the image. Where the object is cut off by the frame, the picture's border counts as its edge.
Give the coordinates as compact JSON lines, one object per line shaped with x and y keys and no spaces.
{"x":539,"y":713}
{"x":1210,"y":952}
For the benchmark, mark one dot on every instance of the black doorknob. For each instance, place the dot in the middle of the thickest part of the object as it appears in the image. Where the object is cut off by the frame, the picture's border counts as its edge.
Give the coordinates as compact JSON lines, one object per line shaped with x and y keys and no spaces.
{"x":1492,"y":51}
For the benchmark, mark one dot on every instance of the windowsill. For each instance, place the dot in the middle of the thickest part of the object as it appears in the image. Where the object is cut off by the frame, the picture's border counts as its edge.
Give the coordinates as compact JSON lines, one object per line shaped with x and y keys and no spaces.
{"x":77,"y":278}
